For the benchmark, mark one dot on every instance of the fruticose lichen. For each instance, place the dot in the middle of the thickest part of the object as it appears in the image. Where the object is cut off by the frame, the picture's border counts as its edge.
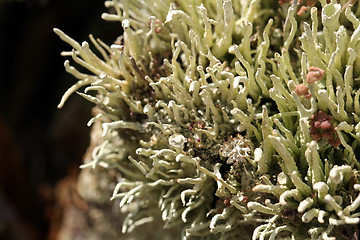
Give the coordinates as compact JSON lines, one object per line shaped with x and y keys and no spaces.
{"x":230,"y":119}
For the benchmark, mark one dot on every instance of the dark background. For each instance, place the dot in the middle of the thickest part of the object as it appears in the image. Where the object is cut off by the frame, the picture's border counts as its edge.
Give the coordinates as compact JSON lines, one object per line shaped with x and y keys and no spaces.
{"x":41,"y":146}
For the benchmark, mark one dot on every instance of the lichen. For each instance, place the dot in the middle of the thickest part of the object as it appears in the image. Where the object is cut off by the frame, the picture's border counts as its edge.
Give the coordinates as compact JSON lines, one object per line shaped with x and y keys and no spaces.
{"x":230,"y":118}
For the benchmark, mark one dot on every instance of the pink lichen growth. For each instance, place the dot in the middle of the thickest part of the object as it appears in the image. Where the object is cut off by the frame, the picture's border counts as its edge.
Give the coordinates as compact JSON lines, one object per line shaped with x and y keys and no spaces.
{"x":243,"y":198}
{"x":158,"y":25}
{"x":302,"y":10}
{"x":335,"y":142}
{"x":309,"y":3}
{"x":227,"y":202}
{"x":201,"y":125}
{"x":321,"y":127}
{"x":302,"y":90}
{"x":196,"y":125}
{"x":314,"y":74}
{"x":303,"y":6}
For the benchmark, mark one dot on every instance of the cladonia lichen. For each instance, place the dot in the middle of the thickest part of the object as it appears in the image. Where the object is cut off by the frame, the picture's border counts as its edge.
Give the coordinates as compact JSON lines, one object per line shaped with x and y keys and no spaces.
{"x":230,"y":119}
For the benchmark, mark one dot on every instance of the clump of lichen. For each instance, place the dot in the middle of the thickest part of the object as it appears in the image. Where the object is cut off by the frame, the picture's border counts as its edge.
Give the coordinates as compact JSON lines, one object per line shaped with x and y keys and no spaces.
{"x":230,"y":118}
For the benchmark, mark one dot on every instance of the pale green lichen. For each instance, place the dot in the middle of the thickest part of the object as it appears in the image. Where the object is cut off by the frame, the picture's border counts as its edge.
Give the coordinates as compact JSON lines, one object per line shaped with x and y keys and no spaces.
{"x":204,"y":118}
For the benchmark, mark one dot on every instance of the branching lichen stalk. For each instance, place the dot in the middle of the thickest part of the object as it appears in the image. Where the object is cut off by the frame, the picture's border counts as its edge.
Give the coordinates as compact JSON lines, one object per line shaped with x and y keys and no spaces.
{"x":229,"y":119}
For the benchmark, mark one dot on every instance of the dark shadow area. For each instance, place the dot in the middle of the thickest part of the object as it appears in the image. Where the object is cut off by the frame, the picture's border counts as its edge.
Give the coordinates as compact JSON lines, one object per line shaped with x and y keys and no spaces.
{"x":39,"y":144}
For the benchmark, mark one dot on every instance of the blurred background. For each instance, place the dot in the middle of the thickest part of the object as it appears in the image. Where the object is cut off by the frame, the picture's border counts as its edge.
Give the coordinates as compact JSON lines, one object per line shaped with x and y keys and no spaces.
{"x":41,"y":147}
